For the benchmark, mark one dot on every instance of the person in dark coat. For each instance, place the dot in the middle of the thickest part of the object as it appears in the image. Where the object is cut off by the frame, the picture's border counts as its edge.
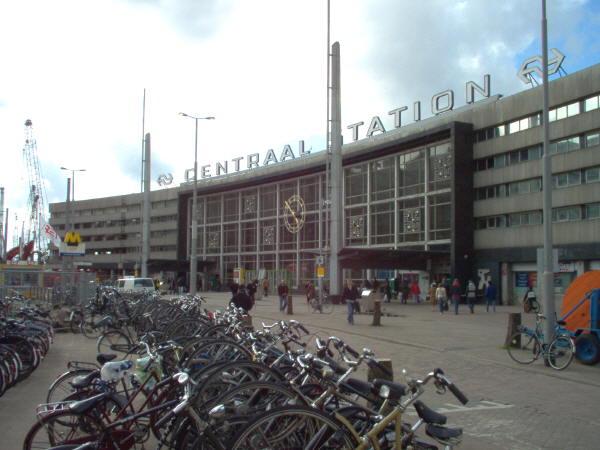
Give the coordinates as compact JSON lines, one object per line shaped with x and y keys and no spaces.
{"x":282,"y":291}
{"x":490,"y":296}
{"x":242,"y":300}
{"x":350,"y":296}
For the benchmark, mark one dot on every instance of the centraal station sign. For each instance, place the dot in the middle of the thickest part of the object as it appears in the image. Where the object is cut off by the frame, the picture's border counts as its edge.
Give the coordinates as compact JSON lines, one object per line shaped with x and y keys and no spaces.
{"x":440,"y":103}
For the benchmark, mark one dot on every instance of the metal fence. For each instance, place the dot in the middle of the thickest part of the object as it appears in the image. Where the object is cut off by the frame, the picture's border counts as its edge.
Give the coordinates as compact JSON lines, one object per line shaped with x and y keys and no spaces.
{"x":69,"y":288}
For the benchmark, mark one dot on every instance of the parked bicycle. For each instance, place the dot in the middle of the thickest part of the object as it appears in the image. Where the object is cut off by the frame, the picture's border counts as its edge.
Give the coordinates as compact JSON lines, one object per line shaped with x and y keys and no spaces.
{"x":529,"y":344}
{"x":321,"y":304}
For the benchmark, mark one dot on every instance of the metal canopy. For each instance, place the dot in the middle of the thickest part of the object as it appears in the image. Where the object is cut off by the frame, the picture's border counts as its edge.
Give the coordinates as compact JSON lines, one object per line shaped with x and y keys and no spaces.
{"x":375,"y":258}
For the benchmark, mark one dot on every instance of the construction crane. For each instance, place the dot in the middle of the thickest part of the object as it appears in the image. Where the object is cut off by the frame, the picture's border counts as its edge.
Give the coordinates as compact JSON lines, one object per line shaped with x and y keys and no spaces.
{"x":37,"y":196}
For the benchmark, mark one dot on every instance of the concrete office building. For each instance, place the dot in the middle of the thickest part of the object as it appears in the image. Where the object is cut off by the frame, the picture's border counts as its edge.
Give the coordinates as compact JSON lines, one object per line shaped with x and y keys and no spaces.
{"x":458,"y":193}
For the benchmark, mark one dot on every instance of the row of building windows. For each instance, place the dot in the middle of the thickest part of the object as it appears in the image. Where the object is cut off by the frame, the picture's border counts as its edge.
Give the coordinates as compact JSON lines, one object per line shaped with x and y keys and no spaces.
{"x":560,"y":180}
{"x":589,"y":211}
{"x":534,"y":120}
{"x":130,"y":250}
{"x":590,"y":139}
{"x":136,"y":208}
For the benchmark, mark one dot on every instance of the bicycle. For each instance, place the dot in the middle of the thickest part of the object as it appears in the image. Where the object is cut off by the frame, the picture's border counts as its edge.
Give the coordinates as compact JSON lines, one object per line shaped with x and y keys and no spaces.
{"x":322,"y":305}
{"x":527,"y":345}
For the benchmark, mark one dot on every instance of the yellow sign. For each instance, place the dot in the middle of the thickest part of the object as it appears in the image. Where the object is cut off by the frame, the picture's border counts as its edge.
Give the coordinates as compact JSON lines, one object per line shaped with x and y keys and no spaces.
{"x":320,"y":271}
{"x":72,"y":238}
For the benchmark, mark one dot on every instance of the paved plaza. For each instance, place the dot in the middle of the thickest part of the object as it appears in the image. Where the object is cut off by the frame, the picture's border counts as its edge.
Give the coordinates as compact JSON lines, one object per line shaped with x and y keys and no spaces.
{"x":511,"y":406}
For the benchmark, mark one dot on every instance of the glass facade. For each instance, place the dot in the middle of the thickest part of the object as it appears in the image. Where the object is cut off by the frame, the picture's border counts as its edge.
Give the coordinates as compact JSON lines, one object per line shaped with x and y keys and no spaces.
{"x":394,"y":202}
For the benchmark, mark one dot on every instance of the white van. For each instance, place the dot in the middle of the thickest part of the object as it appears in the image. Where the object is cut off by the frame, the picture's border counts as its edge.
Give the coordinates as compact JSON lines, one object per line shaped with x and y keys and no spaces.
{"x":135,"y":285}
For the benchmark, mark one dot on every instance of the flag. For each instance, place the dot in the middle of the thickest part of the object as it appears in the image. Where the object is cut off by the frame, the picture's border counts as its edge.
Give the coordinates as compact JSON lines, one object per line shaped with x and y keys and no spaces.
{"x":51,"y":234}
{"x":12,"y":253}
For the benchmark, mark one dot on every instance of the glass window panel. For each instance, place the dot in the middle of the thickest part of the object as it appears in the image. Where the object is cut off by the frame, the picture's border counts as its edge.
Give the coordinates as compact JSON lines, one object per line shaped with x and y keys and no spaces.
{"x":309,"y":191}
{"x":411,"y":220}
{"x":213,"y":209}
{"x":439,"y":216}
{"x":592,"y":211}
{"x":535,"y":218}
{"x":524,"y":124}
{"x":249,"y":204}
{"x":382,"y":223}
{"x":267,"y":261}
{"x":513,"y":127}
{"x":535,"y":152}
{"x":287,"y":262}
{"x":382,"y":179}
{"x":536,"y":120}
{"x":574,"y":143}
{"x":230,"y":238}
{"x":268,"y":201}
{"x":268,"y":235}
{"x":355,"y":229}
{"x":592,"y":140}
{"x":355,"y":184}
{"x":563,"y":146}
{"x":481,"y":136}
{"x":592,"y":175}
{"x":573,"y":109}
{"x":502,"y":190}
{"x":500,"y":130}
{"x":591,"y":103}
{"x":287,"y":239}
{"x":411,"y":173}
{"x":575,"y":213}
{"x":501,"y":221}
{"x":514,"y":157}
{"x":489,"y":133}
{"x":552,"y":115}
{"x":248,"y":230}
{"x":307,"y":268}
{"x":561,"y":180}
{"x":213,"y":239}
{"x":574,"y":178}
{"x":309,"y":233}
{"x":440,"y":167}
{"x":499,"y":161}
{"x":231,"y":207}
{"x":248,"y":262}
{"x":561,"y":113}
{"x":553,"y":148}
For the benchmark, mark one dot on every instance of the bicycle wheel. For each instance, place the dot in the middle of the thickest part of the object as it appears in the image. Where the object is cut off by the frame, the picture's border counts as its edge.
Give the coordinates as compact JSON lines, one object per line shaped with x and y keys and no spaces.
{"x":523,"y":347}
{"x":113,"y":341}
{"x":61,"y":387}
{"x":88,"y":326}
{"x":561,"y":352}
{"x":62,"y":427}
{"x":293,"y":427}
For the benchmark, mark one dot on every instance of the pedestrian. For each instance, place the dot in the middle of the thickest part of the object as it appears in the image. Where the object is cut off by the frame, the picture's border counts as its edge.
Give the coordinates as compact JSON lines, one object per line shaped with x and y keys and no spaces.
{"x":181,"y":284}
{"x":242,"y":300}
{"x":397,"y":281}
{"x":349,"y":295}
{"x":251,"y":289}
{"x":441,"y":298}
{"x":455,"y":291}
{"x":431,"y":296}
{"x":490,"y":296}
{"x":282,"y":291}
{"x":265,"y":285}
{"x":471,"y":294}
{"x":405,"y":289}
{"x":310,"y":291}
{"x":387,"y":291}
{"x":415,"y":291}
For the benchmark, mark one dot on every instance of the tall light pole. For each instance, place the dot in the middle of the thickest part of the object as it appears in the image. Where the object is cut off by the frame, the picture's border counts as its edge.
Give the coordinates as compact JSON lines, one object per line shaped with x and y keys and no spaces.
{"x":72,"y":180}
{"x":194,"y":237}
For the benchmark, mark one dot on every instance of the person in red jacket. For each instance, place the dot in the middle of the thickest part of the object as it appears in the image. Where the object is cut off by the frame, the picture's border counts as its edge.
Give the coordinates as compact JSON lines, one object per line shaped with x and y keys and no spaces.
{"x":415,"y":291}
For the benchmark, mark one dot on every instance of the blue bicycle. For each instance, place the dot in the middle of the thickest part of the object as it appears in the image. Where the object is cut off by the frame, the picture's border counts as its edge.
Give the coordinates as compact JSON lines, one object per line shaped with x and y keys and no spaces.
{"x":527,"y":345}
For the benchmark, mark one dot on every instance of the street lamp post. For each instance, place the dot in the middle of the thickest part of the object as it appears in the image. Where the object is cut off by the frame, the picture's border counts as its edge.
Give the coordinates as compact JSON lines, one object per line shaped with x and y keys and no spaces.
{"x":72,"y":180}
{"x":194,"y":237}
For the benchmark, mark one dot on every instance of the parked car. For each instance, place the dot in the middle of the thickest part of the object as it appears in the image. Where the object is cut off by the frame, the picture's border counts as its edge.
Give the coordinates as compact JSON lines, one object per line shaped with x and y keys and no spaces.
{"x":135,"y":285}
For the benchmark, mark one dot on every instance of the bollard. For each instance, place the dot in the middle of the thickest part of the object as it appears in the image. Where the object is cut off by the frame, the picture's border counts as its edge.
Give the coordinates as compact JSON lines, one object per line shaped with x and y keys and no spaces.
{"x":514,"y":320}
{"x":376,"y":313}
{"x":290,"y":307}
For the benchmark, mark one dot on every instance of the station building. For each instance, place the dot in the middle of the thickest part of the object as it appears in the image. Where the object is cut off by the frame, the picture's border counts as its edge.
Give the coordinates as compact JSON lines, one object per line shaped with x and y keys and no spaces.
{"x":457,"y":194}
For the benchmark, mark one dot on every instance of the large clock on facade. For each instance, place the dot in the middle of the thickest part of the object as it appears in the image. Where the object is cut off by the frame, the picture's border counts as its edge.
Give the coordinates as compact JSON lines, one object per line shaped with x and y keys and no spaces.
{"x":294,"y":213}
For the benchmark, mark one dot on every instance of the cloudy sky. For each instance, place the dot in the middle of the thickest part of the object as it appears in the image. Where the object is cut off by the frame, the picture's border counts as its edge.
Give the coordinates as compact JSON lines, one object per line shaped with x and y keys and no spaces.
{"x":78,"y":70}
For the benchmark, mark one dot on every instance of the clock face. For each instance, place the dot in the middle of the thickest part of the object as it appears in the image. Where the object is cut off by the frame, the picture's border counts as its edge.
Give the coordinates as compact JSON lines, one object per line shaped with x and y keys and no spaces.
{"x":295,"y":212}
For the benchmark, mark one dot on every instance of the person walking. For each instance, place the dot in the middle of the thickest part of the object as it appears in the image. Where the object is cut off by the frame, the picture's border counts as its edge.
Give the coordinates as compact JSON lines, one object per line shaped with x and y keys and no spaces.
{"x":441,"y":298}
{"x":282,"y":291}
{"x":490,"y":296}
{"x":396,"y":286}
{"x":349,"y":295}
{"x":471,"y":294}
{"x":455,"y":292}
{"x":310,"y":291}
{"x":431,"y":296}
{"x":266,"y":285}
{"x":405,"y":290}
{"x":387,"y":291}
{"x":415,"y":291}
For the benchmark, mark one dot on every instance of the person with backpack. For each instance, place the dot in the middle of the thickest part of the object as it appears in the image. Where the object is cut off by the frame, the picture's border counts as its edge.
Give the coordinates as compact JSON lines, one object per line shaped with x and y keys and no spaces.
{"x":490,"y":296}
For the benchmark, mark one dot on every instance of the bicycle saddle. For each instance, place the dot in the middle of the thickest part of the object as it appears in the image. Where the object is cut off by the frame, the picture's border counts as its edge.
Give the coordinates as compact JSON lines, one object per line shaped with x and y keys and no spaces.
{"x":82,"y":406}
{"x":83,"y":381}
{"x":444,"y":434}
{"x":103,"y":358}
{"x":428,"y":414}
